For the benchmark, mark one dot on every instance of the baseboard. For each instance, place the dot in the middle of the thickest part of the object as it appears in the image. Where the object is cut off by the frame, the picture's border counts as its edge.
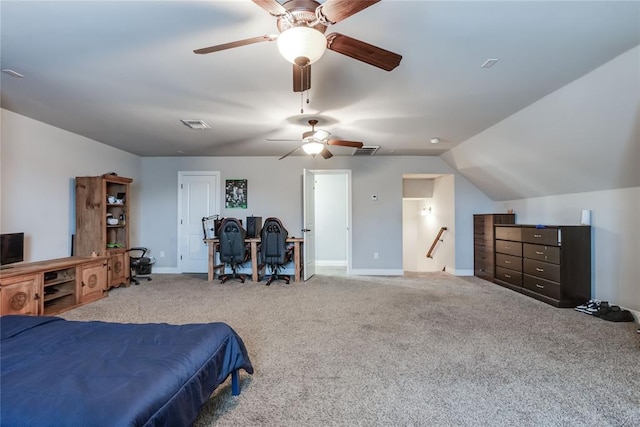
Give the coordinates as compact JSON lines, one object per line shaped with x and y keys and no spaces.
{"x":165,"y":270}
{"x":331,"y":263}
{"x":459,"y":272}
{"x":375,"y":272}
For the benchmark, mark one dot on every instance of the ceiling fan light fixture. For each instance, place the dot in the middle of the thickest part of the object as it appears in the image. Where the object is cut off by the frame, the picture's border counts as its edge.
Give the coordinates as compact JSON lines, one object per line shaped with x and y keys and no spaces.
{"x":312,"y":147}
{"x":305,"y":42}
{"x":321,"y":134}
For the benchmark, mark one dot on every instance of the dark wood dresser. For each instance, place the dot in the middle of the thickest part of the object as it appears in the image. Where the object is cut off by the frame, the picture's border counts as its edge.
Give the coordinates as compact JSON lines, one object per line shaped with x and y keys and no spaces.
{"x":483,"y":253}
{"x":551,"y":263}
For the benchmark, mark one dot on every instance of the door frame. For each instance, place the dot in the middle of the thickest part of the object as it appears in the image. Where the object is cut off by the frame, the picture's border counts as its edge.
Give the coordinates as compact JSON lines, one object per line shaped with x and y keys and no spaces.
{"x":348,"y":202}
{"x":181,"y":175}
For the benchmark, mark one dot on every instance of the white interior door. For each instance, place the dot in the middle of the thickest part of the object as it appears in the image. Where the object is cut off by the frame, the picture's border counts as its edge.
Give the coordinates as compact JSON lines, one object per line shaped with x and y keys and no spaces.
{"x":198,"y":197}
{"x":308,"y":219}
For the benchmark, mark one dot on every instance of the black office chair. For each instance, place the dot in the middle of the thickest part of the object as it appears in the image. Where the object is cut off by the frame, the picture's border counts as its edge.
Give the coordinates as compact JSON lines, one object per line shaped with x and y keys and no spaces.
{"x":274,"y":252}
{"x":233,"y":251}
{"x":140,"y":264}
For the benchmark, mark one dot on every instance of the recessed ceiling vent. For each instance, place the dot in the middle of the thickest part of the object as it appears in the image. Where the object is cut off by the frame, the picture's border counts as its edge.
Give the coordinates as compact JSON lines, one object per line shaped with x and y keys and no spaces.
{"x":367,"y":150}
{"x":196,"y":124}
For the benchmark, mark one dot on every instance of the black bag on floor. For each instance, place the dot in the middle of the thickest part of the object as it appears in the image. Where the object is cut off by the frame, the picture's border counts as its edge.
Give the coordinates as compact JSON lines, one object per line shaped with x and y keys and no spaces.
{"x":616,"y":314}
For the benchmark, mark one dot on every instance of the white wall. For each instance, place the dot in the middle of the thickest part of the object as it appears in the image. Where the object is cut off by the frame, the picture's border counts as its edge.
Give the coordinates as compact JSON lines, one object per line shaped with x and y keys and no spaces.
{"x":331,"y":219}
{"x":443,"y":215}
{"x":275,"y":189}
{"x":38,"y":165}
{"x":411,"y":235}
{"x":582,"y":137}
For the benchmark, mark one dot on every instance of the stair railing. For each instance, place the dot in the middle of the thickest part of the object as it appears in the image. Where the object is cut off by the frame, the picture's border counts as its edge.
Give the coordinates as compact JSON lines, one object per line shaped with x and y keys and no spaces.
{"x":435,"y":241}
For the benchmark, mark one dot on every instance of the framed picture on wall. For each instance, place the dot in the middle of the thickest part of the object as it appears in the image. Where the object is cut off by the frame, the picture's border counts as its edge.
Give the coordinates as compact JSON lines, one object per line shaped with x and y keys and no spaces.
{"x":236,"y":194}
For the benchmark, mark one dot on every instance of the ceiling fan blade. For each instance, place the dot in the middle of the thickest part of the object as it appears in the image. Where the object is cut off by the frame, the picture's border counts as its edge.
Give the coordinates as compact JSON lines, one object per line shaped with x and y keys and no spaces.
{"x":252,"y":40}
{"x":301,"y":78}
{"x":362,"y":51}
{"x":326,"y":153}
{"x":271,"y":6}
{"x":337,"y":10}
{"x":354,"y":144}
{"x":290,"y":152}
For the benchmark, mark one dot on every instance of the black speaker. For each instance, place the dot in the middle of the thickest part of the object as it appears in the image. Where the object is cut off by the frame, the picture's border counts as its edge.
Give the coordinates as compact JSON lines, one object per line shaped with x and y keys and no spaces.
{"x":254,"y":225}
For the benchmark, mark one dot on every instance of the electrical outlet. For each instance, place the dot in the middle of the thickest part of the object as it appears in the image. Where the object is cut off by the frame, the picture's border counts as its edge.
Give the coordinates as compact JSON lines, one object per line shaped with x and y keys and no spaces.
{"x":161,"y":254}
{"x":376,"y":255}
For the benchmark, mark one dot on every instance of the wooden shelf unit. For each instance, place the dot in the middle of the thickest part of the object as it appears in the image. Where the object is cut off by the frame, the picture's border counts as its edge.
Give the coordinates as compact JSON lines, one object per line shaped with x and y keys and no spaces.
{"x":97,"y":198}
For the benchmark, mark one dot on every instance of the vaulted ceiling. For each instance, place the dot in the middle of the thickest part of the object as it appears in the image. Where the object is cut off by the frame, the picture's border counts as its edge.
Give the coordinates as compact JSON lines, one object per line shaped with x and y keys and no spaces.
{"x":124,"y":73}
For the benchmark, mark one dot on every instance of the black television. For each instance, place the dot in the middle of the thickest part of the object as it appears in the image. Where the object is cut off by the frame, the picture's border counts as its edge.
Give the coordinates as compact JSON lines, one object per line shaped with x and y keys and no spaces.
{"x":11,"y":248}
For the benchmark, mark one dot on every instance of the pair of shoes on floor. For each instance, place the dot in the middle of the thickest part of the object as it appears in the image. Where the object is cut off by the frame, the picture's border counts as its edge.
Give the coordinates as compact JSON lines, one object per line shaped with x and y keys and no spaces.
{"x":592,"y":306}
{"x":603,"y":309}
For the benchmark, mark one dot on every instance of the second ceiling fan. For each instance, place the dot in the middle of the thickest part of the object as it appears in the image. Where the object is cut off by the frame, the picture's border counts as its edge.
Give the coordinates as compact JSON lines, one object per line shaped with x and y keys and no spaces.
{"x":316,"y":141}
{"x":302,"y":24}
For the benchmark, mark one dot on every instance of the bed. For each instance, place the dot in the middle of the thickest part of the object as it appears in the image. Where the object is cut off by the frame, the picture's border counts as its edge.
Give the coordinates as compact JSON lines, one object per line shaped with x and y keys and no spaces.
{"x":56,"y":372}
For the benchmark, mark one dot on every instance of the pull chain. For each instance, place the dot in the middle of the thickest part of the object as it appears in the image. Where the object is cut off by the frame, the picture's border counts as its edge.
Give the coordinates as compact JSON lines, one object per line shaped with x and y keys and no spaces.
{"x":301,"y":103}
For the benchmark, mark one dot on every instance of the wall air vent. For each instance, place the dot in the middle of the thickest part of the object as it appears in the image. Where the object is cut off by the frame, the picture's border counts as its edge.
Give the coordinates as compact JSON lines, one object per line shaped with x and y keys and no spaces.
{"x":367,"y":150}
{"x":196,"y":124}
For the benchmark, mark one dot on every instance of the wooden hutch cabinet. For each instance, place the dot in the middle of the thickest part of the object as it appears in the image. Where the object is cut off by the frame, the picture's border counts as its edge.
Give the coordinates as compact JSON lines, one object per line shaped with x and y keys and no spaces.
{"x":102,"y":223}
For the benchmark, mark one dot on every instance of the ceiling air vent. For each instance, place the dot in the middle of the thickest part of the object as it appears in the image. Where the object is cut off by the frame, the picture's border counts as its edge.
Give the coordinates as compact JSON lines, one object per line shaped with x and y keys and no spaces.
{"x":196,"y":124}
{"x":367,"y":150}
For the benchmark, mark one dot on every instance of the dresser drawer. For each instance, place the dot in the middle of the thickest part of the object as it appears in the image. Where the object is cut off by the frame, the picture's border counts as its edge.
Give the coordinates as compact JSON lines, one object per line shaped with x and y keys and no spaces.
{"x":541,"y":236}
{"x":509,"y":276}
{"x":541,"y":286}
{"x":509,"y":233}
{"x":542,"y":253}
{"x":481,"y":254}
{"x":509,"y":261}
{"x":483,"y":265}
{"x":509,"y":247}
{"x":483,"y":245}
{"x":544,"y":270}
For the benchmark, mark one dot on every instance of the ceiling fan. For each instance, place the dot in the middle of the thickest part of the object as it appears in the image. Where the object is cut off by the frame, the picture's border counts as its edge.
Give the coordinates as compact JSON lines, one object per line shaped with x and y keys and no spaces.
{"x":302,"y":24}
{"x":316,"y":141}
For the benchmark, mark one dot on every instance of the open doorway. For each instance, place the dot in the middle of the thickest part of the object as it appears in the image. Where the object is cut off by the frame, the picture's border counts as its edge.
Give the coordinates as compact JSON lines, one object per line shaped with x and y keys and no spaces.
{"x":332,"y":206}
{"x":428,"y":206}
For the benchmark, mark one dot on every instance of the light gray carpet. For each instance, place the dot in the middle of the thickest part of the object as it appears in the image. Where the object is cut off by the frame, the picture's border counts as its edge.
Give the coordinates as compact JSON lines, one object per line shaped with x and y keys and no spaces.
{"x":420,"y":350}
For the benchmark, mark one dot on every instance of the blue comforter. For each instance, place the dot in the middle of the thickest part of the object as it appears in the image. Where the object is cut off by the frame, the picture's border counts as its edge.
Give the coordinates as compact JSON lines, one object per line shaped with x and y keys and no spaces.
{"x":56,"y":372}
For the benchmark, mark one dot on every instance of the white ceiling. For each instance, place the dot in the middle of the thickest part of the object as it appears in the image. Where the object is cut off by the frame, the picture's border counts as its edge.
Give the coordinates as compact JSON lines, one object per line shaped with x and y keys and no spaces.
{"x":123,"y":73}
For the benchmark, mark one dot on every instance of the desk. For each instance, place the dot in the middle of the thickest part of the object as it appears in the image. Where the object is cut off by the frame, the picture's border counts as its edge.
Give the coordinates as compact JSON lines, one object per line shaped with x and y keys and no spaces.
{"x":254,"y":241}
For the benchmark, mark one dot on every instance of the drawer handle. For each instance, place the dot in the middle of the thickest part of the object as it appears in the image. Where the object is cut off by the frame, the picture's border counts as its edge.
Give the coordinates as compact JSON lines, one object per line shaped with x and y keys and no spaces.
{"x":507,"y":247}
{"x":539,"y":252}
{"x":506,"y":261}
{"x":507,"y":276}
{"x":539,"y":286}
{"x":537,"y":236}
{"x":539,"y":269}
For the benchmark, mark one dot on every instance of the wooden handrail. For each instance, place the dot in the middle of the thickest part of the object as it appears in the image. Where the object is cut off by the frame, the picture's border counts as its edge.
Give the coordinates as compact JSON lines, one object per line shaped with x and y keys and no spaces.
{"x":435,"y":242}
